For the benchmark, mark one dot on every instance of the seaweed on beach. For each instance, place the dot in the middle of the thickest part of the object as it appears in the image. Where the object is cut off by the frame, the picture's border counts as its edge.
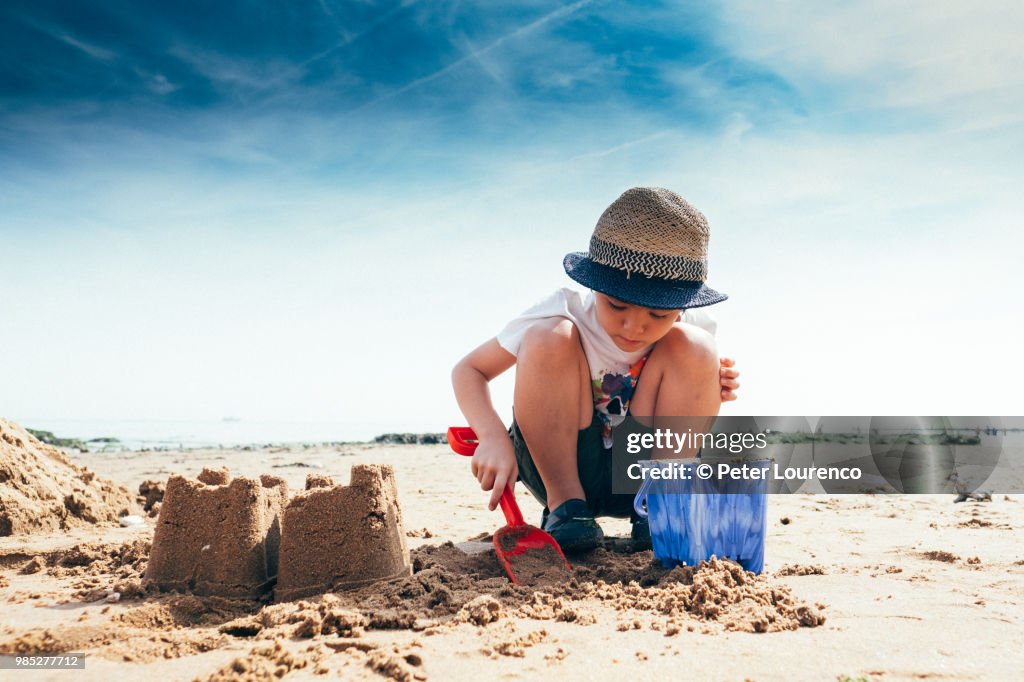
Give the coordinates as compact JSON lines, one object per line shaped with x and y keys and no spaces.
{"x":411,"y":438}
{"x":49,"y":438}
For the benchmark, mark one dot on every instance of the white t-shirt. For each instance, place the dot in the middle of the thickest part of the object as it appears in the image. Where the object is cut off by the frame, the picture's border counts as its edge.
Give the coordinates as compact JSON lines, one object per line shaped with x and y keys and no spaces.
{"x":613,"y":372}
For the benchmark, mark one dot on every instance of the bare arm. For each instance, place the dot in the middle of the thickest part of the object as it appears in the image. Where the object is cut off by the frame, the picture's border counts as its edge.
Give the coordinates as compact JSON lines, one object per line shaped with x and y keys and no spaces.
{"x":470,"y":378}
{"x":494,"y":463}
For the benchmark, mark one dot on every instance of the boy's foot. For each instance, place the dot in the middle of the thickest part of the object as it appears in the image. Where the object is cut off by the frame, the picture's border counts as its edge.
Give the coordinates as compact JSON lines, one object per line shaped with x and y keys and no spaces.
{"x":573,"y":526}
{"x":640,"y":534}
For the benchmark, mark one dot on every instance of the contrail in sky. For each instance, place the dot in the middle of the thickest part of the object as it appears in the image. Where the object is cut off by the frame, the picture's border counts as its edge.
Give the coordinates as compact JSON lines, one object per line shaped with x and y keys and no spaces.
{"x":474,"y":55}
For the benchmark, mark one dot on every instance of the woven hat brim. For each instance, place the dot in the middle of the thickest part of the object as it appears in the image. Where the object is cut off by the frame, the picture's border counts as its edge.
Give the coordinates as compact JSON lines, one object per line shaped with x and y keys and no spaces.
{"x":637,"y":288}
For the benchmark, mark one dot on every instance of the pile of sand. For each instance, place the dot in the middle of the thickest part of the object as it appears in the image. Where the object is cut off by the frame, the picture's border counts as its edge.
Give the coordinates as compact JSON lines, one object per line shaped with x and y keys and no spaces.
{"x":448,"y":589}
{"x":96,"y":570}
{"x":151,"y":496}
{"x":451,"y":586}
{"x":172,"y":627}
{"x":41,"y":490}
{"x":536,"y":566}
{"x":716,"y":591}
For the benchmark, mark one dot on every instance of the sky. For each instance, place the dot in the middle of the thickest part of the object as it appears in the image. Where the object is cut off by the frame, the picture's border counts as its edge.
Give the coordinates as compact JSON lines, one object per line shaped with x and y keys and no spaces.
{"x":310,"y":211}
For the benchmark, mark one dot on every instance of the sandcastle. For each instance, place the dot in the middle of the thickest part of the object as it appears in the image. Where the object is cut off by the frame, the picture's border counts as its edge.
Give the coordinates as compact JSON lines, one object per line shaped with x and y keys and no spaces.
{"x":233,"y":538}
{"x":339,"y":537}
{"x":217,"y":536}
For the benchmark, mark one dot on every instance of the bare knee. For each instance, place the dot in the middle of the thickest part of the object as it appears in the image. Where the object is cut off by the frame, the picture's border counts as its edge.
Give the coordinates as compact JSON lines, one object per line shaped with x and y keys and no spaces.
{"x":689,"y":349}
{"x":551,"y":342}
{"x":551,"y":365}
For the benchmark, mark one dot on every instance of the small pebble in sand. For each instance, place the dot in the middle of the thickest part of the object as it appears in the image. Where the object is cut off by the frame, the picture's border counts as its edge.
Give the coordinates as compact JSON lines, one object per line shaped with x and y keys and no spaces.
{"x":974,"y":523}
{"x":940,"y":555}
{"x":419,"y":533}
{"x":801,"y":569}
{"x":785,"y":521}
{"x":481,"y":610}
{"x":516,"y":646}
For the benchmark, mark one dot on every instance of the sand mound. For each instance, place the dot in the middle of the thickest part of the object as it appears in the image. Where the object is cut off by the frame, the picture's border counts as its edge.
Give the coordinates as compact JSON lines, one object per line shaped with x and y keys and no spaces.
{"x":41,"y":490}
{"x":448,"y":589}
{"x":266,"y":662}
{"x":450,"y":586}
{"x":716,"y":591}
{"x":123,"y":639}
{"x":151,"y":495}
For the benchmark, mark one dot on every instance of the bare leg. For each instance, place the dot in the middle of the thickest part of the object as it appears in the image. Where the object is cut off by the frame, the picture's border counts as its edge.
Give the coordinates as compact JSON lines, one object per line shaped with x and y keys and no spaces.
{"x":680,"y":379}
{"x":553,"y":401}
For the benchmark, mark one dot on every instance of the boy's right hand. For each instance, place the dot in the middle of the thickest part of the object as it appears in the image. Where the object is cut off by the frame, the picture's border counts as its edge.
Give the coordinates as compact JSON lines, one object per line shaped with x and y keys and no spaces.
{"x":494,"y":465}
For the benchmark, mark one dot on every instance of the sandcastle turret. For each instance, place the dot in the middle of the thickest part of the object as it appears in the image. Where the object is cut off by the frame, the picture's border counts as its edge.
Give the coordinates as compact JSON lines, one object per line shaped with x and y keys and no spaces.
{"x":339,"y":537}
{"x":218,"y":536}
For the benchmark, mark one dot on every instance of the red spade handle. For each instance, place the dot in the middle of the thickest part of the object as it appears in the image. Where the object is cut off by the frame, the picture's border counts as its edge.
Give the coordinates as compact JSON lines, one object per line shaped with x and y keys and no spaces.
{"x":463,"y":441}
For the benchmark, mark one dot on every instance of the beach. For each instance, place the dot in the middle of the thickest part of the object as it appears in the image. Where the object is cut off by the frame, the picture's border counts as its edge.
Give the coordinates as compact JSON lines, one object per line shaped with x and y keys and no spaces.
{"x":258,"y":257}
{"x":854,"y":587}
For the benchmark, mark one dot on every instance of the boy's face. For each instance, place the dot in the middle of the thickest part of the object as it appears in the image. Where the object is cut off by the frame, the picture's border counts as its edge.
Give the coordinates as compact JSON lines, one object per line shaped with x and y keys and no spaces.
{"x":631,"y":326}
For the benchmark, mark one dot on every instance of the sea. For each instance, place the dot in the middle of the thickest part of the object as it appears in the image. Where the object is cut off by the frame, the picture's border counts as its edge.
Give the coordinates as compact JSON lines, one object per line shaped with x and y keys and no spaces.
{"x":228,"y":432}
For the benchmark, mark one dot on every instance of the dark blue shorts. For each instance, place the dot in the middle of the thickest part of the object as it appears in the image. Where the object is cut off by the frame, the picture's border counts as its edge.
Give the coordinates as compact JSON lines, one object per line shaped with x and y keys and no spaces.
{"x":594,"y":463}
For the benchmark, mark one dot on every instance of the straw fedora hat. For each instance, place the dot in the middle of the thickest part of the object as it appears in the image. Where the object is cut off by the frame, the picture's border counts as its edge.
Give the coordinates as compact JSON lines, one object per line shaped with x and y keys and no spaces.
{"x":650,"y":249}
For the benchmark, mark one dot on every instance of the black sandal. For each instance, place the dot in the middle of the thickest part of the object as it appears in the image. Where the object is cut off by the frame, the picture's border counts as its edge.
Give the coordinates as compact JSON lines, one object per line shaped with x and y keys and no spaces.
{"x":573,"y":526}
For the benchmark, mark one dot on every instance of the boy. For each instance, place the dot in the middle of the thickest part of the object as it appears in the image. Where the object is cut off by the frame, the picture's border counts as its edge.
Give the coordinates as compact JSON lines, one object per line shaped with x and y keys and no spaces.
{"x":579,"y":364}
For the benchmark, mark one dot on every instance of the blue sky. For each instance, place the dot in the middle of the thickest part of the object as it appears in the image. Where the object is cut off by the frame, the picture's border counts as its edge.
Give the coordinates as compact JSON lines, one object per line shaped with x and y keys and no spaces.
{"x":312,"y":210}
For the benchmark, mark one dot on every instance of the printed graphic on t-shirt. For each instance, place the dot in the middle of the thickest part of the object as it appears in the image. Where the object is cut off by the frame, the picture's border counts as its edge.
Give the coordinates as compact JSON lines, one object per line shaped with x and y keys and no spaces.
{"x":612,"y":394}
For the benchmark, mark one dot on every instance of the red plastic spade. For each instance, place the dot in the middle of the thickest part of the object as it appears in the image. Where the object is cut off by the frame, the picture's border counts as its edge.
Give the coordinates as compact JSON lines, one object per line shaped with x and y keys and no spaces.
{"x":517,"y":543}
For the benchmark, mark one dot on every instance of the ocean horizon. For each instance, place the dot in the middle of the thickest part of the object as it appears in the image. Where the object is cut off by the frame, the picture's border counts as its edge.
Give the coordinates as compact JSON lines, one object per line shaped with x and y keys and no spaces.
{"x":140,"y":434}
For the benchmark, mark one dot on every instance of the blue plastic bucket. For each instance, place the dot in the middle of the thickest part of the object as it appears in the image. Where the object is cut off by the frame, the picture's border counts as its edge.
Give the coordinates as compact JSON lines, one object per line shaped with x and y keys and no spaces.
{"x":692,"y":519}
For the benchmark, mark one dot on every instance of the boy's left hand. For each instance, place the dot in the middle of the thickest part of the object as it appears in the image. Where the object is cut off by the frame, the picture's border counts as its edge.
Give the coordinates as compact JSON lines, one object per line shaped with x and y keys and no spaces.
{"x":727,"y":376}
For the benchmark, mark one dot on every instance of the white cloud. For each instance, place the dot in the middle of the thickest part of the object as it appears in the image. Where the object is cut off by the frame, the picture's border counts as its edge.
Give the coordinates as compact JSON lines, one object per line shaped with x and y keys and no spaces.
{"x":93,"y":51}
{"x":870,"y":272}
{"x":951,"y":57}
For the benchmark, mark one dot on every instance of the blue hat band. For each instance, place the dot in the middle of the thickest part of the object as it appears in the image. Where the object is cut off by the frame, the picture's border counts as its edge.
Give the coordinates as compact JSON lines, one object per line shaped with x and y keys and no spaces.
{"x":651,"y":264}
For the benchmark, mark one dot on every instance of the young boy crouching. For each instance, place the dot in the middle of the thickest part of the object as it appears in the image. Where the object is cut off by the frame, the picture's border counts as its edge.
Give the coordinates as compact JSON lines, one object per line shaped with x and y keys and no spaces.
{"x":633,"y":345}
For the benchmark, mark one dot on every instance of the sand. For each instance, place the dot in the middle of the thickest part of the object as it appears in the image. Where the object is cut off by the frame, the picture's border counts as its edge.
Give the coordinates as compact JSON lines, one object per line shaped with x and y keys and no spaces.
{"x":845,"y":580}
{"x":450,"y":588}
{"x":337,"y":537}
{"x":530,"y":565}
{"x":42,"y":490}
{"x":151,"y":496}
{"x":218,"y":535}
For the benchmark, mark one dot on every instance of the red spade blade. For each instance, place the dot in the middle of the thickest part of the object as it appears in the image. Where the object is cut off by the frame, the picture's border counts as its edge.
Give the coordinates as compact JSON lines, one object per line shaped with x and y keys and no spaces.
{"x":530,"y":556}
